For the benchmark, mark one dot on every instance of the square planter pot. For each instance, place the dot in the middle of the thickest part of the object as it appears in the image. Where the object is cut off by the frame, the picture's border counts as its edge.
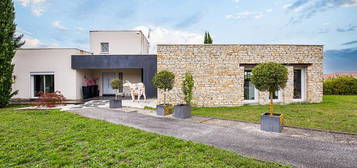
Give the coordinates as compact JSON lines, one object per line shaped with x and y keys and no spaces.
{"x":162,"y":110}
{"x":272,"y":123}
{"x":115,"y":104}
{"x":183,"y":111}
{"x":85,"y":91}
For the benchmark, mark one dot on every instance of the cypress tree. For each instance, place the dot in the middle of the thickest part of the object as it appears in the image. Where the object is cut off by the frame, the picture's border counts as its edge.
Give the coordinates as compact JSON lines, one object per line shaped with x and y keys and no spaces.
{"x":205,"y":38}
{"x":9,"y":42}
{"x":209,"y":39}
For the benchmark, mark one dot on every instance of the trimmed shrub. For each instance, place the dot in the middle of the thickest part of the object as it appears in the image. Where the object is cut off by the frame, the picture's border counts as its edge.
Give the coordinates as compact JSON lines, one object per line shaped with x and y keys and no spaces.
{"x":164,"y":80}
{"x":187,"y":86}
{"x":270,"y":77}
{"x":116,"y":85}
{"x":344,"y":85}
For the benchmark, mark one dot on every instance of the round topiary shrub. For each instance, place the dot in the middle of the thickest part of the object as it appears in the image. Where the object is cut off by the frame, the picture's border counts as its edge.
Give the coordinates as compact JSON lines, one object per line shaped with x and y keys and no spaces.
{"x":164,"y":80}
{"x":270,"y":77}
{"x":116,"y":85}
{"x":344,"y":85}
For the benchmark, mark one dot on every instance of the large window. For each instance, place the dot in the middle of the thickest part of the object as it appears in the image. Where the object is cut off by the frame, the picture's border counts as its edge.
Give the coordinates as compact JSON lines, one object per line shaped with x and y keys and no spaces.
{"x":249,"y":89}
{"x":104,"y":47}
{"x":299,"y":84}
{"x":43,"y":83}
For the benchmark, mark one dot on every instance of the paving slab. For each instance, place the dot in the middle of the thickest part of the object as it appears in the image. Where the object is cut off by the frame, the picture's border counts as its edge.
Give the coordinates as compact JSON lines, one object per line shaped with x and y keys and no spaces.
{"x":300,"y":148}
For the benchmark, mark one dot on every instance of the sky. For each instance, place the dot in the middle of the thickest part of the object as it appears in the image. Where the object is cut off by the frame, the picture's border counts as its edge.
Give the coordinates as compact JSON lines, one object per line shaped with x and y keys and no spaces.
{"x":66,"y":23}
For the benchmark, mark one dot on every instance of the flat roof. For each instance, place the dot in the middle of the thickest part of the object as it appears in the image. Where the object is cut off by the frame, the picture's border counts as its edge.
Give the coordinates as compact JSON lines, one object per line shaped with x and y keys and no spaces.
{"x":49,"y":48}
{"x":53,"y":49}
{"x":115,"y":31}
{"x":240,"y":44}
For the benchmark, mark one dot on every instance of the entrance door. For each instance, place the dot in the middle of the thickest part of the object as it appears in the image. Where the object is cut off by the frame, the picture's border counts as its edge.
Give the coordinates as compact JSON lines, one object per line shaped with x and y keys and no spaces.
{"x":107,"y":78}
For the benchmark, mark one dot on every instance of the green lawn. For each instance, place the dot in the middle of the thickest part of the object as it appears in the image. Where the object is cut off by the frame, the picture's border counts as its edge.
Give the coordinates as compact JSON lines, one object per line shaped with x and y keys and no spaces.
{"x":51,"y":138}
{"x":336,"y":113}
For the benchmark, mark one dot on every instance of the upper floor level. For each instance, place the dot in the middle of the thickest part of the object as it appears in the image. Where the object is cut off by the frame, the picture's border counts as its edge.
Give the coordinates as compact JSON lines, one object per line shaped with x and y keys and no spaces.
{"x":118,"y":42}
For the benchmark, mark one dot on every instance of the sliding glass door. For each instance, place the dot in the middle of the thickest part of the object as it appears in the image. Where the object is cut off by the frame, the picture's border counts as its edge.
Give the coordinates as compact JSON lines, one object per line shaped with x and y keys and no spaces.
{"x":43,"y":83}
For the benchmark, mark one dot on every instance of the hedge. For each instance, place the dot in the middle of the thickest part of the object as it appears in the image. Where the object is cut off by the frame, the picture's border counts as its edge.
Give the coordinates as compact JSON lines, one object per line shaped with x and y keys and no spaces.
{"x":340,"y":86}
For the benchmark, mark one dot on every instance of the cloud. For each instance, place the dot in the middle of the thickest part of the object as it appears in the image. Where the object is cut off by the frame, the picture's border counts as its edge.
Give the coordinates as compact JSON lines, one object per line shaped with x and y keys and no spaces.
{"x":57,"y":24}
{"x":236,"y":1}
{"x":31,"y":42}
{"x":269,"y":10}
{"x":343,"y":60}
{"x":37,"y":12}
{"x":37,"y":6}
{"x":297,"y":5}
{"x":350,"y":3}
{"x":20,"y":30}
{"x":349,"y":28}
{"x":160,"y":35}
{"x":191,"y":20}
{"x":306,"y":9}
{"x":349,"y":43}
{"x":26,"y":3}
{"x":246,"y":15}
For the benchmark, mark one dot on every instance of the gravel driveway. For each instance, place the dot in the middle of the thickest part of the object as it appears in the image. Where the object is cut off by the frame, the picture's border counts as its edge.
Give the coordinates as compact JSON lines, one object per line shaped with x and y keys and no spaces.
{"x":243,"y":138}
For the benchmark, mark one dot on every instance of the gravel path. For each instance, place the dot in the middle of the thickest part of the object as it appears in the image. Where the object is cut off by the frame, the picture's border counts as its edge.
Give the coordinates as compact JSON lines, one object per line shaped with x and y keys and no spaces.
{"x":243,"y":138}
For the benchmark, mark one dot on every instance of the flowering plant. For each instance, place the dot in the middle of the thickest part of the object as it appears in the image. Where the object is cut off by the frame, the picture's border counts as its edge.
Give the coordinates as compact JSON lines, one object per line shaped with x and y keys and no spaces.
{"x":50,"y":99}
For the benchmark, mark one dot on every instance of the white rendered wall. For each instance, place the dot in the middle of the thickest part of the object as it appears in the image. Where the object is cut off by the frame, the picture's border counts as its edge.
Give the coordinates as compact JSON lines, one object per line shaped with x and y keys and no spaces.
{"x":120,"y":42}
{"x":46,"y":60}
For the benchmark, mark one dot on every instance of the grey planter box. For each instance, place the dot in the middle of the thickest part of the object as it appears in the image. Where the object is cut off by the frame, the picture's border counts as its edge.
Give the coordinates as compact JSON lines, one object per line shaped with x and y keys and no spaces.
{"x":160,"y":110}
{"x":271,"y":123}
{"x":115,"y":104}
{"x":183,"y":111}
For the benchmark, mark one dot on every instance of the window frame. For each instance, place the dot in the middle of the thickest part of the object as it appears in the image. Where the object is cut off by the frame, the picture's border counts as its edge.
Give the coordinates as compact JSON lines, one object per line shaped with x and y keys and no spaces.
{"x":32,"y":84}
{"x":101,"y":47}
{"x":303,"y":85}
{"x":256,"y":94}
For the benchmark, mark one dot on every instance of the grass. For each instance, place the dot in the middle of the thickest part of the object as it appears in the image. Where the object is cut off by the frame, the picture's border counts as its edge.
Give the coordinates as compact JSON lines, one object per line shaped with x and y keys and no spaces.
{"x":336,"y":113}
{"x":50,"y":138}
{"x":149,"y":108}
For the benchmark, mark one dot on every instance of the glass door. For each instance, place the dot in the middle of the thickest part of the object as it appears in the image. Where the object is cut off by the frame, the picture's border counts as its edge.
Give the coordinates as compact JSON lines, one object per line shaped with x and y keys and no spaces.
{"x":299,"y":84}
{"x":250,"y":93}
{"x":43,"y":83}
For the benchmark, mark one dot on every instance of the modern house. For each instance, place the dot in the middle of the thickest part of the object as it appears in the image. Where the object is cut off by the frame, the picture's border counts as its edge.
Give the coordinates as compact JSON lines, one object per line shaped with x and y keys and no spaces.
{"x":114,"y":54}
{"x":221,"y":72}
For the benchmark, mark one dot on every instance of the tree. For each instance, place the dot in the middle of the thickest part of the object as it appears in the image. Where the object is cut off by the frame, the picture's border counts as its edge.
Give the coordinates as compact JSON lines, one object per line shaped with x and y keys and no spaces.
{"x":207,"y":38}
{"x":116,"y":85}
{"x":9,"y":42}
{"x":270,"y":77}
{"x":187,"y":86}
{"x":164,"y":80}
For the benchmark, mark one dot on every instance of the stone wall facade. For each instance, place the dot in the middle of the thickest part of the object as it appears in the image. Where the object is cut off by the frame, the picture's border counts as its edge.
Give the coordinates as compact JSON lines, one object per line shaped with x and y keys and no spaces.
{"x":218,"y":71}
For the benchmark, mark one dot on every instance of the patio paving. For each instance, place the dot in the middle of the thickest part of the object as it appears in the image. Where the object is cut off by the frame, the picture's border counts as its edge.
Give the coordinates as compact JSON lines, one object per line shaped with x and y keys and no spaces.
{"x":297,"y":147}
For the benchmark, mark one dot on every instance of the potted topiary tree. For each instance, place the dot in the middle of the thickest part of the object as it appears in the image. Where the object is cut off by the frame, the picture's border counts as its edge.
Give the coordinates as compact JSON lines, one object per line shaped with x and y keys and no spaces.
{"x":117,"y":102}
{"x":270,"y":77}
{"x":164,"y":80}
{"x":185,"y":110}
